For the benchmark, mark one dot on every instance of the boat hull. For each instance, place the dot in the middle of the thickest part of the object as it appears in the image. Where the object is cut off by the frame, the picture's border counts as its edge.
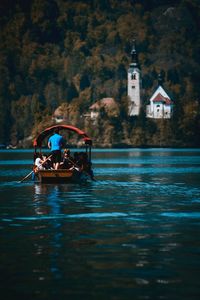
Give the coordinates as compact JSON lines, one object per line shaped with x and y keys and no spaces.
{"x":61,"y":176}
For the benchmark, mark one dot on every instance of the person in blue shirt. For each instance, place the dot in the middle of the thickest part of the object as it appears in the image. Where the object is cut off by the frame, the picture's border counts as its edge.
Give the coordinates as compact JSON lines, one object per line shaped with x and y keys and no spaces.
{"x":55,"y":143}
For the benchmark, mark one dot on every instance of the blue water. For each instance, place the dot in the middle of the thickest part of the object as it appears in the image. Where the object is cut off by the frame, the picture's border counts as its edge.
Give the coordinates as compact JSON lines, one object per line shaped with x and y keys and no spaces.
{"x":132,"y":234}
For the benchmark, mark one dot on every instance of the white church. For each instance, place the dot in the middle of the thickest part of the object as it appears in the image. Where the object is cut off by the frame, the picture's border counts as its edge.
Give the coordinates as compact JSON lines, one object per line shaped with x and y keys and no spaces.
{"x":161,"y":105}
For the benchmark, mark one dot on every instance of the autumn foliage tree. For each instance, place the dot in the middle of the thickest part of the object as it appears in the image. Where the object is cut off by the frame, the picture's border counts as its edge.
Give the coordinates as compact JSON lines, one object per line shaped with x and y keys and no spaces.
{"x":77,"y":52}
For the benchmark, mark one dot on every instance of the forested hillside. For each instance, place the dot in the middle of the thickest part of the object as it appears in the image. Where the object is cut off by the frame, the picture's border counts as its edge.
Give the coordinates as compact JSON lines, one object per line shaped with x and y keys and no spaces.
{"x":77,"y":52}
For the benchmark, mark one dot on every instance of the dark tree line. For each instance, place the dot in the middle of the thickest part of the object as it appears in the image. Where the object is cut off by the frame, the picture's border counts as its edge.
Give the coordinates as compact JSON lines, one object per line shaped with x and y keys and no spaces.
{"x":74,"y":53}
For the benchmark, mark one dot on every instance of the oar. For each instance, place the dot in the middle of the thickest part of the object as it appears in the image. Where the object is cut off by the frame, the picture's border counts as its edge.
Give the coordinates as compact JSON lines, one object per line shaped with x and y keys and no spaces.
{"x":37,"y":167}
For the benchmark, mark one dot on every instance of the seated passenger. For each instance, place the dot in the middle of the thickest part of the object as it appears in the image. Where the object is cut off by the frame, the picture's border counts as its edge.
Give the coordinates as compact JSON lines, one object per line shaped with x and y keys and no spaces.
{"x":84,"y":164}
{"x":78,"y":161}
{"x":47,"y":163}
{"x":87,"y":165}
{"x":39,"y":162}
{"x":68,"y":161}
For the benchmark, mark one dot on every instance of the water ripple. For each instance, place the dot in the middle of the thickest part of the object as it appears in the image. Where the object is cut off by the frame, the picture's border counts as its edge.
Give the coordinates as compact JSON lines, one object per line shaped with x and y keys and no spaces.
{"x":78,"y":216}
{"x":192,"y":215}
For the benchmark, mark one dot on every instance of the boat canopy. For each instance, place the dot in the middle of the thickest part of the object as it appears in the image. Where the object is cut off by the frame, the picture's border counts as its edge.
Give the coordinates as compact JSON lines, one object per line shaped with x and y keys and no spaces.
{"x":39,"y":139}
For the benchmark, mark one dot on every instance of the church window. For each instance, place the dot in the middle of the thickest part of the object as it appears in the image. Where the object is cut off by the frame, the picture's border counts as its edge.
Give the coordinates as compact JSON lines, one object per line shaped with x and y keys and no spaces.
{"x":133,"y":87}
{"x":158,"y":105}
{"x":133,"y":76}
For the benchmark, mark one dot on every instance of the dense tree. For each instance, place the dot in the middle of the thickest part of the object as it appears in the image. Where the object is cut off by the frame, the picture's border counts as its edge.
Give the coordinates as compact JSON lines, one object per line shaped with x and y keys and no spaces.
{"x":84,"y":82}
{"x":76,"y":52}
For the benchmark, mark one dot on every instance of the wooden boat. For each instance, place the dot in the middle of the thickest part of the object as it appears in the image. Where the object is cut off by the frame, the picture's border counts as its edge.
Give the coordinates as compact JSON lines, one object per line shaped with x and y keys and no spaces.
{"x":72,"y":175}
{"x":62,"y":176}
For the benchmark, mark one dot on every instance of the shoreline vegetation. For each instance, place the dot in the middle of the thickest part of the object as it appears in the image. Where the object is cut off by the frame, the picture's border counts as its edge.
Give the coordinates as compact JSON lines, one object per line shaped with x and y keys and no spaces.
{"x":102,"y":147}
{"x":67,"y":55}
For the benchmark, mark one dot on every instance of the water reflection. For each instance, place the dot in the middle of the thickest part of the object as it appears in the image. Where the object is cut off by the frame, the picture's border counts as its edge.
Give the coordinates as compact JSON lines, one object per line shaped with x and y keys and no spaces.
{"x":53,"y":205}
{"x":49,"y":194}
{"x":131,"y":234}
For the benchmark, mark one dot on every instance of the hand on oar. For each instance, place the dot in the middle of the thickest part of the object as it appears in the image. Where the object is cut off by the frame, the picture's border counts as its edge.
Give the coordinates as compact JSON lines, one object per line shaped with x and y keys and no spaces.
{"x":34,"y":170}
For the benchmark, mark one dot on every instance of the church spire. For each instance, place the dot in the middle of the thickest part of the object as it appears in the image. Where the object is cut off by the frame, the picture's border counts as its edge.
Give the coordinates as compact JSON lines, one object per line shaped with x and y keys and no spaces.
{"x":134,"y":61}
{"x":160,"y":79}
{"x":134,"y":84}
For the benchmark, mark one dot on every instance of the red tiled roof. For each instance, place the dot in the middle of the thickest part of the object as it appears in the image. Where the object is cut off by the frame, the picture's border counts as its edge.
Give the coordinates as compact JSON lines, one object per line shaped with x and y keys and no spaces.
{"x":161,"y":98}
{"x":106,"y":102}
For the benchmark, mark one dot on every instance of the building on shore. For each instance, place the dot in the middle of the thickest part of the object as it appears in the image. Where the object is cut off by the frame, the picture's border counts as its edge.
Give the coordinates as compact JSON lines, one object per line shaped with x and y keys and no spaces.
{"x":160,"y":104}
{"x":109,"y":105}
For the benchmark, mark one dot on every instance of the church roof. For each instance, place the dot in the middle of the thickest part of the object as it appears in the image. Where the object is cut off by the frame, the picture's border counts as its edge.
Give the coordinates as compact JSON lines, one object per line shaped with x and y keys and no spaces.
{"x":160,"y":95}
{"x":161,"y":98}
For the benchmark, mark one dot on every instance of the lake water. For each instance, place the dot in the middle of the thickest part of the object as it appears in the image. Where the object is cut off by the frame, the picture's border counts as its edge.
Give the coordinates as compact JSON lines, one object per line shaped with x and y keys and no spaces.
{"x":132,"y":234}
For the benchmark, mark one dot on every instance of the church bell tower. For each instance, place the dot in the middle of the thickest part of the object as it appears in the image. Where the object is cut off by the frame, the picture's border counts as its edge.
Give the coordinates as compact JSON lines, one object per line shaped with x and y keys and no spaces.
{"x":134,"y":84}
